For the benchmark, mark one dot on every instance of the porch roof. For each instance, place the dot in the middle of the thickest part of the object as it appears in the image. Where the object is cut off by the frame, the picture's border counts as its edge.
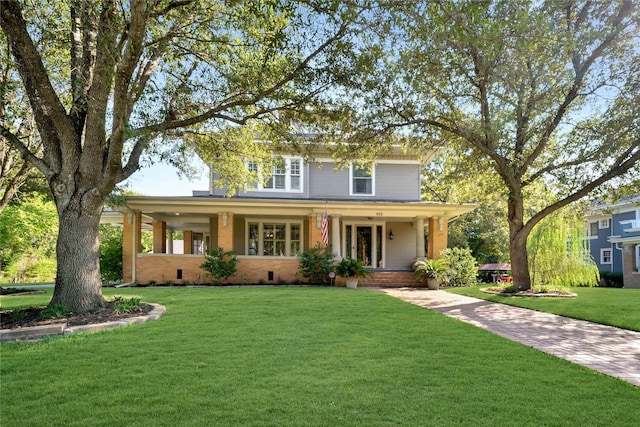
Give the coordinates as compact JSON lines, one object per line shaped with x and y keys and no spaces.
{"x":175,"y":206}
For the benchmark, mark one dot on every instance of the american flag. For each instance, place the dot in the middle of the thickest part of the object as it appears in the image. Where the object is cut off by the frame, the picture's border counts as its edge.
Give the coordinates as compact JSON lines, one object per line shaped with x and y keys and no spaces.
{"x":325,"y":228}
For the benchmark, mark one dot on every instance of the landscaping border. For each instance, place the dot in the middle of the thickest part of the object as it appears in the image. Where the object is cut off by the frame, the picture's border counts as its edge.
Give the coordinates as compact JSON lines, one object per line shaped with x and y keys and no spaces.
{"x":530,"y":294}
{"x":36,"y":332}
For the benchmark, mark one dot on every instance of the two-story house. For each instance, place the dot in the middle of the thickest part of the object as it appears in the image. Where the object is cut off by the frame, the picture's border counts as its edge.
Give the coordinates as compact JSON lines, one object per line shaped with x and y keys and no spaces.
{"x":374,"y":214}
{"x":614,"y":234}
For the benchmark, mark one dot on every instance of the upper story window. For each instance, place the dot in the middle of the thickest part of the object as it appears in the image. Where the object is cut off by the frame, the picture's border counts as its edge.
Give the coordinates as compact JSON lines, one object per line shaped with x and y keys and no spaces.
{"x":361,"y":181}
{"x":593,"y":230}
{"x":604,"y":223}
{"x":277,"y":181}
{"x":284,"y":177}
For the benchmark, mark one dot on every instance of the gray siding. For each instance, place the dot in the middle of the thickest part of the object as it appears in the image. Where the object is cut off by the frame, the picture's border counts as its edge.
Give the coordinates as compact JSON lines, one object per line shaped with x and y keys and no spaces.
{"x":398,"y":181}
{"x":401,"y":251}
{"x":325,"y":182}
{"x":392,"y":182}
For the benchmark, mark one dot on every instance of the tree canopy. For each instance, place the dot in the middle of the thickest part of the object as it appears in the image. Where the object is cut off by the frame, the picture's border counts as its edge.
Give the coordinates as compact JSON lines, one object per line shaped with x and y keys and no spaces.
{"x":547,"y":92}
{"x":115,"y":85}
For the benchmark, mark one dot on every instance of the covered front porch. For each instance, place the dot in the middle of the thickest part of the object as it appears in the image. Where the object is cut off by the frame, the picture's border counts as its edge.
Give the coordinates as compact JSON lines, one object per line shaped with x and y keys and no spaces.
{"x":267,"y":235}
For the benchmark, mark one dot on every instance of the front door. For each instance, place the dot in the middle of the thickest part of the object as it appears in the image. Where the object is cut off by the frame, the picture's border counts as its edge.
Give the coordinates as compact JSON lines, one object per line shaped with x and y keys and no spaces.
{"x":364,"y":242}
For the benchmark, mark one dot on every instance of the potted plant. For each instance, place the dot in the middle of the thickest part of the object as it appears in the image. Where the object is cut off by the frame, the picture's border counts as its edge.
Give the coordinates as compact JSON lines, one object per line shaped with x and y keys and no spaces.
{"x":430,"y":271}
{"x":351,"y":269}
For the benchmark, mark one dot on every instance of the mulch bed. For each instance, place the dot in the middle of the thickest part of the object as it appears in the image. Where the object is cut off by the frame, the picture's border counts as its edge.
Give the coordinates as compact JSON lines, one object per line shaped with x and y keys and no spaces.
{"x":12,"y":319}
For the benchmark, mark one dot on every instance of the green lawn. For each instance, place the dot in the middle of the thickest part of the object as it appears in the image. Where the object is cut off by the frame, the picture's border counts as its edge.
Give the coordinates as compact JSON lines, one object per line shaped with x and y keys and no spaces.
{"x":298,"y":357}
{"x":609,"y":306}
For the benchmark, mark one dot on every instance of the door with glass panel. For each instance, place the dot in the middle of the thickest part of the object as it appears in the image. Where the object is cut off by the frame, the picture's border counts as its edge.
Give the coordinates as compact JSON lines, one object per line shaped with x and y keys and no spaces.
{"x":363,"y":242}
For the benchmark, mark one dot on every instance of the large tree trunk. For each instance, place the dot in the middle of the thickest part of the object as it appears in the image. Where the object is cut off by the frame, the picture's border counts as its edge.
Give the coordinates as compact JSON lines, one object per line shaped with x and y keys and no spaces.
{"x":518,"y":234}
{"x":78,"y":284}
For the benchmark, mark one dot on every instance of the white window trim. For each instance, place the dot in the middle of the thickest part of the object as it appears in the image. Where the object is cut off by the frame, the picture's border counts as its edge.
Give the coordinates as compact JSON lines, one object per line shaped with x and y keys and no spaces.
{"x":602,"y":251}
{"x":373,"y":183}
{"x":260,"y":248}
{"x":287,"y":179}
{"x":605,"y":221}
{"x":589,"y":235}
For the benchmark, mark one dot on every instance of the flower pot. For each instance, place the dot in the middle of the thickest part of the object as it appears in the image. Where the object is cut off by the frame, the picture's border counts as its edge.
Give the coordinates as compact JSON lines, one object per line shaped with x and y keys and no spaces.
{"x":352,"y":282}
{"x":432,"y":284}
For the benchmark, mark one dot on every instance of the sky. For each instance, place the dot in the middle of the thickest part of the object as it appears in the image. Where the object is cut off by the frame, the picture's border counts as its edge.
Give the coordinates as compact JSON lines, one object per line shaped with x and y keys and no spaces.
{"x":162,"y":180}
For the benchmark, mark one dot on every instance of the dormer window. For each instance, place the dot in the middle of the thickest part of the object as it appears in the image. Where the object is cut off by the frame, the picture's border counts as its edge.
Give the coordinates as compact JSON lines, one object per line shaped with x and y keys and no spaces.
{"x":361,"y":181}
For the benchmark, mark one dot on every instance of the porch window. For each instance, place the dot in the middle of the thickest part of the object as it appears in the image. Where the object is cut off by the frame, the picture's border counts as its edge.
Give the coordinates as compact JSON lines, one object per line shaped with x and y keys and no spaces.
{"x":197,"y":245}
{"x":361,"y":183}
{"x":605,"y":256}
{"x":269,"y":238}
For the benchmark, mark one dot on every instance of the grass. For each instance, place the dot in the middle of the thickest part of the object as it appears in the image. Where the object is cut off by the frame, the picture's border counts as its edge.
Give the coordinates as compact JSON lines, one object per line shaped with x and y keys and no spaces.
{"x":609,"y":306}
{"x":298,"y":357}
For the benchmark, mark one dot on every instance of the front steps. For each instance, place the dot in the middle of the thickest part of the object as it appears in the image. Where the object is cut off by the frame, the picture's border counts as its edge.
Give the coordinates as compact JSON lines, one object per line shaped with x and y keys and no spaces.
{"x":390,"y":279}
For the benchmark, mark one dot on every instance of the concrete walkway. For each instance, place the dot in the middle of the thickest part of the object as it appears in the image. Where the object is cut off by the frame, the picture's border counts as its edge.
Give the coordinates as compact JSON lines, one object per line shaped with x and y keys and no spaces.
{"x":612,"y":351}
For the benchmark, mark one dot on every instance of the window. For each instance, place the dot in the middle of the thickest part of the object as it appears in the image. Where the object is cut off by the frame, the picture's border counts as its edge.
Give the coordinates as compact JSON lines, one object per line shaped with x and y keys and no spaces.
{"x":277,"y":180}
{"x":605,"y":256}
{"x":603,"y":223}
{"x":284,"y":177}
{"x":361,"y":181}
{"x":197,"y":246}
{"x":593,"y":230}
{"x":294,"y":169}
{"x":274,"y":238}
{"x":253,"y":167}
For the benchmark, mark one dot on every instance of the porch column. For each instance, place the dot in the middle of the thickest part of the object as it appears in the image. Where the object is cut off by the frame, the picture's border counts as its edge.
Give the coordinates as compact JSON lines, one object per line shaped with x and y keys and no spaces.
{"x":335,"y":236}
{"x":131,"y":241}
{"x":159,"y":237}
{"x":630,"y":276}
{"x":419,"y":238}
{"x":225,"y":231}
{"x":438,"y":227}
{"x":170,"y":241}
{"x":188,"y":241}
{"x":315,"y":229}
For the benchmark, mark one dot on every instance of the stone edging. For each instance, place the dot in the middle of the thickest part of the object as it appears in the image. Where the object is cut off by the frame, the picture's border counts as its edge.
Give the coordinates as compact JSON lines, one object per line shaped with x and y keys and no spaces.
{"x":529,"y":294}
{"x":35,"y":332}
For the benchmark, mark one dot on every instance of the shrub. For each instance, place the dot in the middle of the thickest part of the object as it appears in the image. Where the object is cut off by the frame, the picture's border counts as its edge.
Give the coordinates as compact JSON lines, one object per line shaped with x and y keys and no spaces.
{"x":110,"y":253}
{"x":53,"y":311}
{"x":220,"y":264}
{"x":461,"y":267}
{"x":127,"y":305}
{"x":351,"y":267}
{"x":316,"y":263}
{"x":610,"y":279}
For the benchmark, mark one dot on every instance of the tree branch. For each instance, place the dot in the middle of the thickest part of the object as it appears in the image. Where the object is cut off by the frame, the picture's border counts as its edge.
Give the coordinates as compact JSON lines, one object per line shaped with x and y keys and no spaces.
{"x":621,"y":166}
{"x":56,"y":130}
{"x":26,"y":153}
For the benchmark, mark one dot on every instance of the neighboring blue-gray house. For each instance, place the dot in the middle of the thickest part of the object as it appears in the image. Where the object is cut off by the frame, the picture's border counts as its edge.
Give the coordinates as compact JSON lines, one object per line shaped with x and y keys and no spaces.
{"x":614,"y":233}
